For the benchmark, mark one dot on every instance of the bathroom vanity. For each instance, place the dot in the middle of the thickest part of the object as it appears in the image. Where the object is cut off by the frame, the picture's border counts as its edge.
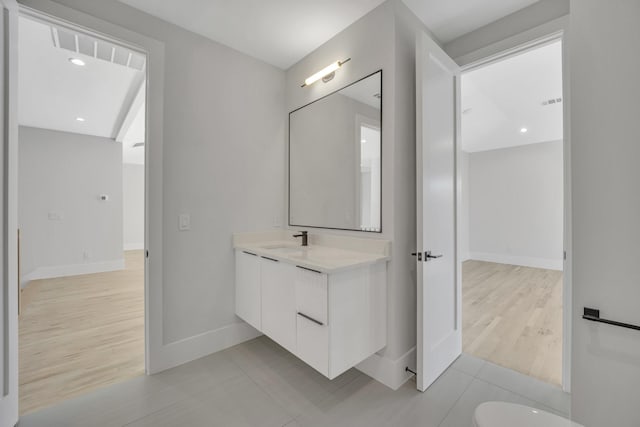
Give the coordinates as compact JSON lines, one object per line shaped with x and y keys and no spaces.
{"x":325,"y":303}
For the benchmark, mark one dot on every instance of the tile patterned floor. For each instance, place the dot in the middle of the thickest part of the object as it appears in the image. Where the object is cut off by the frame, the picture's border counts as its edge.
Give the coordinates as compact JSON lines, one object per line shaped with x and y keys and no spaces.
{"x":260,"y":384}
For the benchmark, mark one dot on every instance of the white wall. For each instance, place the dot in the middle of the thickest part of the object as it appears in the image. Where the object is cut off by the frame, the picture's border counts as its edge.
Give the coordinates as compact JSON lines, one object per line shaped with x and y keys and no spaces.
{"x":518,"y":22}
{"x":383,"y":39}
{"x":223,"y":149}
{"x":515,"y":205}
{"x":133,"y":206}
{"x":605,"y":124}
{"x":65,"y":228}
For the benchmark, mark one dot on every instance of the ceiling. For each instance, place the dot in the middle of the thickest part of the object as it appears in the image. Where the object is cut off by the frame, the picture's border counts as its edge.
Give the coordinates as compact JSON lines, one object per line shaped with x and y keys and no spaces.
{"x":501,"y":99}
{"x":282,"y":32}
{"x":53,"y":93}
{"x":279,"y":32}
{"x":132,"y":153}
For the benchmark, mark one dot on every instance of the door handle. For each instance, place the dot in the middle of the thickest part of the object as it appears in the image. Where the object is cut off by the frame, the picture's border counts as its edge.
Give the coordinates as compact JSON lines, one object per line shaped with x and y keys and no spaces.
{"x":428,"y":256}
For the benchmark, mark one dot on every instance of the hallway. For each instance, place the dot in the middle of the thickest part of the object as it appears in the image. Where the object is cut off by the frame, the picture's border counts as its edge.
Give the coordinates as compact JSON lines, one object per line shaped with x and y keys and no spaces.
{"x":81,"y":333}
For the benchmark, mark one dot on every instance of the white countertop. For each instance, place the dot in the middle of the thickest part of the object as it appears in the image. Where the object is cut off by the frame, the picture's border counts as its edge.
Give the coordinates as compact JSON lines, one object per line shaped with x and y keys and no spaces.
{"x":324,"y":259}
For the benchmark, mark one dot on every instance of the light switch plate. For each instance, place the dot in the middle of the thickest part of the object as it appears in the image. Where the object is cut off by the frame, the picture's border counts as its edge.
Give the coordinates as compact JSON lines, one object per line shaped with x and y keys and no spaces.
{"x":184,"y":222}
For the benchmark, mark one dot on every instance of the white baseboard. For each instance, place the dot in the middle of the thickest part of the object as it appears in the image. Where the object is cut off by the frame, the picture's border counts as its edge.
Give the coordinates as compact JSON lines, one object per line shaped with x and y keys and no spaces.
{"x":389,"y":372}
{"x":192,"y":348}
{"x":549,"y":264}
{"x":133,"y":246}
{"x":72,"y":270}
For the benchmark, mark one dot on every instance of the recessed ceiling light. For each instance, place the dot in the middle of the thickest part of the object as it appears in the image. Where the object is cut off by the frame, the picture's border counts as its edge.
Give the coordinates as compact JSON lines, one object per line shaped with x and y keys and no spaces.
{"x":77,"y":61}
{"x":80,"y":119}
{"x":524,"y":130}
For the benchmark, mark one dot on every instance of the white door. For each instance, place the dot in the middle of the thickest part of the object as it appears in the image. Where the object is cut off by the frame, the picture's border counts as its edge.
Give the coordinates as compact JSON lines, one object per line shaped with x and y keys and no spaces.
{"x":9,"y":218}
{"x":439,"y":340}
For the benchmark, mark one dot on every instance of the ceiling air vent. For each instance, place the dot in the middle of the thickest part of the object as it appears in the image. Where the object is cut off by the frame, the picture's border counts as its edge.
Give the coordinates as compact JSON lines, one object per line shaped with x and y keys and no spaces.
{"x":64,"y":38}
{"x":552,"y":101}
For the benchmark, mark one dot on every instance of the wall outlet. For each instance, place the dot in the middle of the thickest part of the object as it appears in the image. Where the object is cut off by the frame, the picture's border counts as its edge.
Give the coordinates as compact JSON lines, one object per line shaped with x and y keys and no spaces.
{"x":184,"y":222}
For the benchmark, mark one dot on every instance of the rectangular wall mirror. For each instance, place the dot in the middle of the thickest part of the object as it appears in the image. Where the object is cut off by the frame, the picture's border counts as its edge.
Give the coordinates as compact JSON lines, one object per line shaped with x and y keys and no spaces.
{"x":335,"y":159}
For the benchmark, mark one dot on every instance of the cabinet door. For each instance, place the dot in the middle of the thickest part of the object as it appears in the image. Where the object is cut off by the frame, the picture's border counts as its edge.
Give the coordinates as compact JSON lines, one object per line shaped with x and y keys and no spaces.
{"x":278,"y":303}
{"x":312,"y":328}
{"x":248,"y":294}
{"x":313,"y":344}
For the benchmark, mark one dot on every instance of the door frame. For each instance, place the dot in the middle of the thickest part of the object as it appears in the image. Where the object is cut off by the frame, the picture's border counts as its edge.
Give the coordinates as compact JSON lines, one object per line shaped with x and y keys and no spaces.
{"x":552,"y":31}
{"x":154,"y":92}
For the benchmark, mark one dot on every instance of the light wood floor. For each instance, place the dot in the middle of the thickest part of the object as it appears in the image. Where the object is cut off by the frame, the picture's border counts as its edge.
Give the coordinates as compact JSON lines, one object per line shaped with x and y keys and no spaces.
{"x":512,"y":316}
{"x":81,"y":333}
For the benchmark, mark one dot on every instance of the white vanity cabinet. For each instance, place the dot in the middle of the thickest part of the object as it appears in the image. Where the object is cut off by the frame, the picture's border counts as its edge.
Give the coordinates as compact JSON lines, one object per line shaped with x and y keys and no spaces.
{"x":278,"y":302}
{"x":248,"y":292}
{"x":332,"y":321}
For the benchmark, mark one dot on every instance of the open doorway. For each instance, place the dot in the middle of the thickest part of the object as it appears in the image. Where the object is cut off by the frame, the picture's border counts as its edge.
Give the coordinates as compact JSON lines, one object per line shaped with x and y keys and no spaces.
{"x":368,"y":183}
{"x":512,"y":212}
{"x":81,"y":212}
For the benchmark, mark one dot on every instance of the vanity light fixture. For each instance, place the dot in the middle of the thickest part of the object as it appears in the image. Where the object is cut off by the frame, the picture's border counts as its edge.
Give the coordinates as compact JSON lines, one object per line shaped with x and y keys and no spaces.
{"x":326,"y":74}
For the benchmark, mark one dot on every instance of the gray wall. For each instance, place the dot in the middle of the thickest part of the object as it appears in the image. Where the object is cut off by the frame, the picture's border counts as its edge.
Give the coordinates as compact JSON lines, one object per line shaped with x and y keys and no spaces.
{"x":133,"y":206}
{"x":224,"y":151}
{"x":323,"y":162}
{"x":537,"y":14}
{"x":62,"y":175}
{"x":383,"y":39}
{"x":515,"y":205}
{"x":605,"y":124}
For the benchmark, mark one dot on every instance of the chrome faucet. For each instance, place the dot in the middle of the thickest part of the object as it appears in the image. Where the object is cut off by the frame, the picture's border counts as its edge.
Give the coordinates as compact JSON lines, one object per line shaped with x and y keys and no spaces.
{"x":305,"y":237}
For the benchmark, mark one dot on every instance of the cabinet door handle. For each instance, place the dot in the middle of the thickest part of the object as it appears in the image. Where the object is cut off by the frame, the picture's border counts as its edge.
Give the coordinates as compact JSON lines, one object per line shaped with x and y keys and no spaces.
{"x":309,"y":269}
{"x":311,"y":319}
{"x":249,"y":253}
{"x":271,"y":259}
